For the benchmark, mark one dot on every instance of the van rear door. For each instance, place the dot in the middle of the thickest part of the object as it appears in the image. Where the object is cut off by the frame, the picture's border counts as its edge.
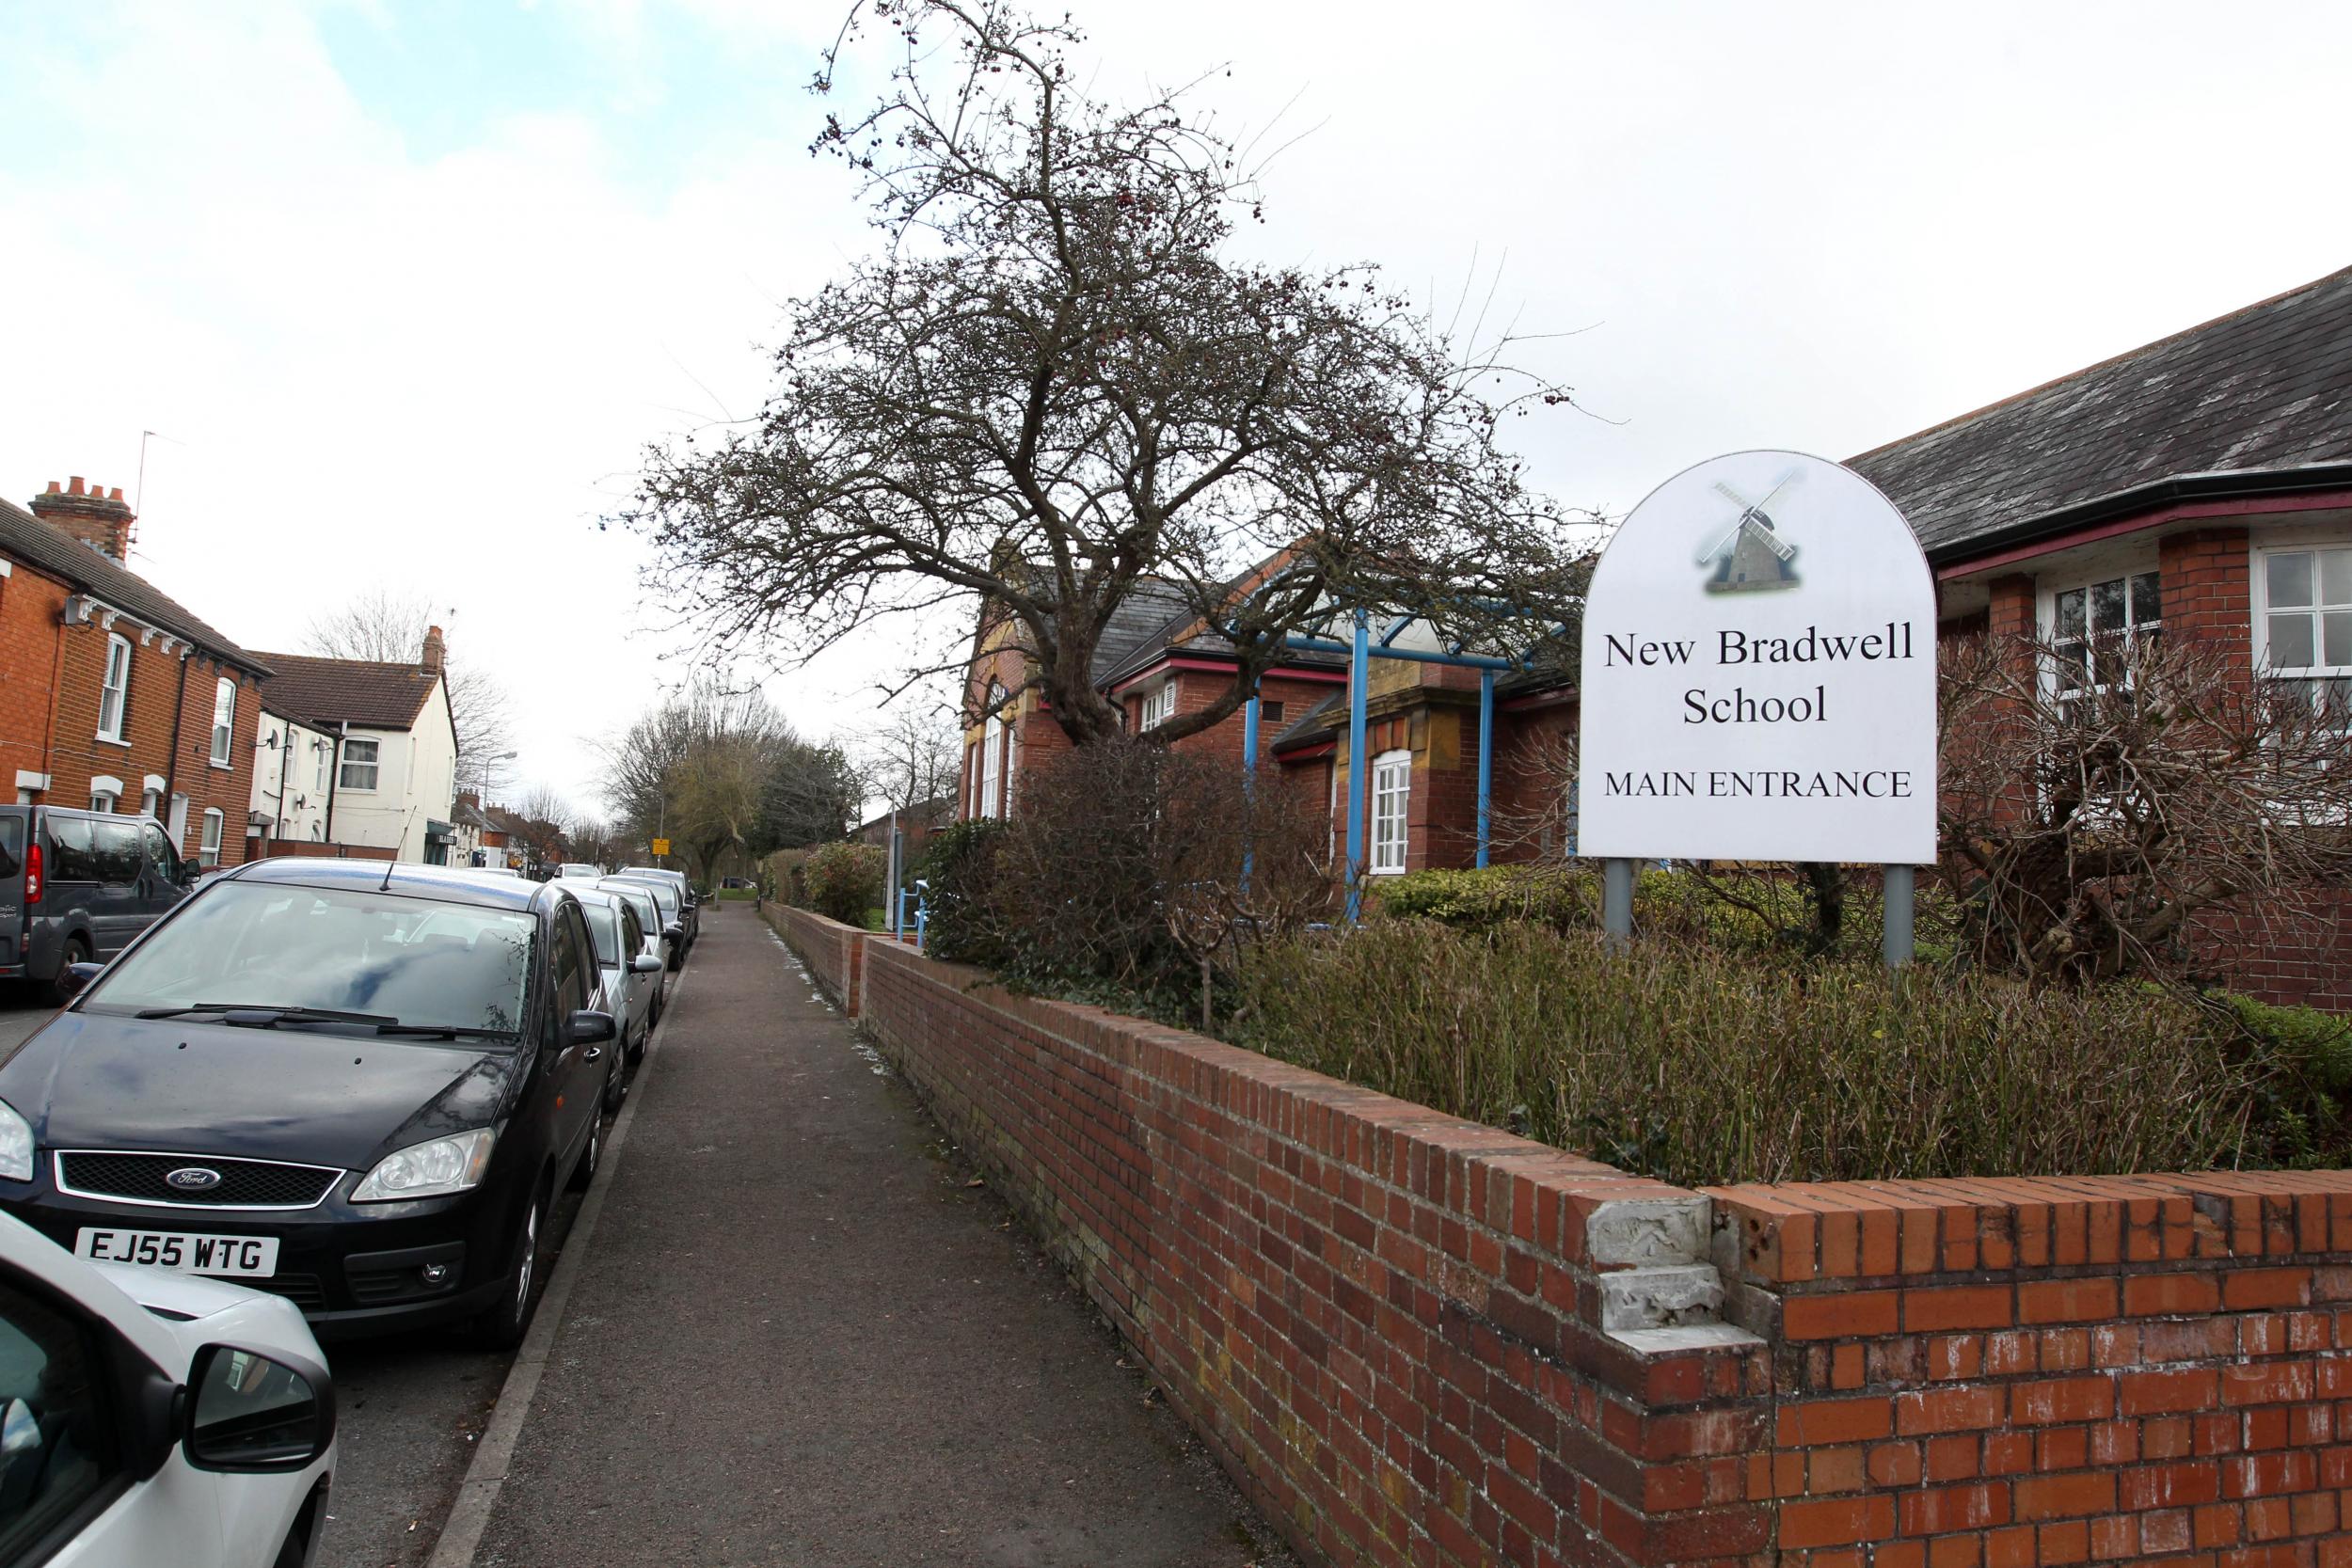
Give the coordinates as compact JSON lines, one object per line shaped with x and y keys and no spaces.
{"x":14,"y":824}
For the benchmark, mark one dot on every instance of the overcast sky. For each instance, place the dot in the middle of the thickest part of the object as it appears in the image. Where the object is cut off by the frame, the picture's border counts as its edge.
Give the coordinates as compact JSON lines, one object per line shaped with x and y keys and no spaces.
{"x":404,"y":287}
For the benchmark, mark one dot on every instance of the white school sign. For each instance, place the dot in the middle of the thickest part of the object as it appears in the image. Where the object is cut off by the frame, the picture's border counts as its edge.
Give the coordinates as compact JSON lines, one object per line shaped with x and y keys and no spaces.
{"x":1760,"y":672}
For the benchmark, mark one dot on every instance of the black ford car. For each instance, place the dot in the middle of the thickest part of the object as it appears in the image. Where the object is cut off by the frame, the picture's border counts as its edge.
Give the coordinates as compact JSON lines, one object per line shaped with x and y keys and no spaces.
{"x":354,"y":1084}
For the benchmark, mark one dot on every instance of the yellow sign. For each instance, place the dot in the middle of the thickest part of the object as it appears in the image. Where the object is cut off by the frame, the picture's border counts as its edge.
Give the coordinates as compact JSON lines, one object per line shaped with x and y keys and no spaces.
{"x":661,"y":845}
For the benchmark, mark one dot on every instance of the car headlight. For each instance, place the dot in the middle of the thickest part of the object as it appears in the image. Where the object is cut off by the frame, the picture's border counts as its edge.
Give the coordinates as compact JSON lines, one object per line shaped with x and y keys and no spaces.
{"x":432,"y":1170}
{"x":16,"y":1144}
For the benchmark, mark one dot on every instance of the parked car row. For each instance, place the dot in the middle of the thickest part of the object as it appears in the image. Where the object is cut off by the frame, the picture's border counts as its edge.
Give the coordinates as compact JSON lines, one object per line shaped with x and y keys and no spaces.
{"x":353,"y":1087}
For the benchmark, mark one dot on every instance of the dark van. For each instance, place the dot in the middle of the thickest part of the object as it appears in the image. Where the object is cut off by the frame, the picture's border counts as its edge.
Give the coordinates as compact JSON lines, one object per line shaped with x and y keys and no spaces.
{"x":76,"y":886}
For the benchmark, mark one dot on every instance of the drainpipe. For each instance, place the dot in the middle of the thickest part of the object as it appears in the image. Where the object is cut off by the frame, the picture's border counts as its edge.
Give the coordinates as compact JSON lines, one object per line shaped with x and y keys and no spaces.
{"x":335,"y":774}
{"x":285,"y":758}
{"x":172,"y":762}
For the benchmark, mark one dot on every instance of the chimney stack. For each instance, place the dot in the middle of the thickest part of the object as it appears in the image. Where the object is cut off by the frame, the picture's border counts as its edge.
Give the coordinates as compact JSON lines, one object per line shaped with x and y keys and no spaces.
{"x":436,"y":647}
{"x":95,"y":516}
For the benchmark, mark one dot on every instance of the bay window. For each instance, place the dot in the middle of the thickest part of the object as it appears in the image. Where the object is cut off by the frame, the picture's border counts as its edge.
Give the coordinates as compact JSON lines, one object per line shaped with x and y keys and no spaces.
{"x":2096,"y":628}
{"x":2305,"y":622}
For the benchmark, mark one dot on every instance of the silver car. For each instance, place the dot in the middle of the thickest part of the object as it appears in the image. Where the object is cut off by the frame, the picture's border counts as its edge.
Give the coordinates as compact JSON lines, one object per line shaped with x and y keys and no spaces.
{"x":665,"y":898}
{"x":630,"y":973}
{"x":656,"y":931}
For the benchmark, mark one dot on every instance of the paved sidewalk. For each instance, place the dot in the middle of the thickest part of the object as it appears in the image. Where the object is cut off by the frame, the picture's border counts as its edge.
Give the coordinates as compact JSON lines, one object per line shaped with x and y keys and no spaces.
{"x":797,"y":1338}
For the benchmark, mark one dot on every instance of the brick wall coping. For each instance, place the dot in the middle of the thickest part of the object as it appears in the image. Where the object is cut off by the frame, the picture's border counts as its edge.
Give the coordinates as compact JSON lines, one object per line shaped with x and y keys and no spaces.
{"x":1789,"y":1233}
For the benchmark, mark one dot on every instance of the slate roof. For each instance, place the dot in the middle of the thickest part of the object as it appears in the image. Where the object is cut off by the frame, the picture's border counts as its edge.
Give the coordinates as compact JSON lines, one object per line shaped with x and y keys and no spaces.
{"x":2265,"y":388}
{"x":1146,"y":618}
{"x":52,"y":552}
{"x":1319,"y":723}
{"x":348,"y":690}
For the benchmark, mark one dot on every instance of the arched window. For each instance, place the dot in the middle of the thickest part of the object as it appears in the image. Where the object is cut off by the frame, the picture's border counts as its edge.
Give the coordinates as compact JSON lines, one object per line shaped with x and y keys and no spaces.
{"x":114,"y":696}
{"x":224,"y":718}
{"x":992,"y":755}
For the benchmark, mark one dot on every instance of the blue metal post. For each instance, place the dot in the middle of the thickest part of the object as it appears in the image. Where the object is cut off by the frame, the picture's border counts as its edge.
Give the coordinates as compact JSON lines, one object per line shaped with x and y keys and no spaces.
{"x":1359,"y":672}
{"x":1248,"y":776}
{"x":1486,"y":758}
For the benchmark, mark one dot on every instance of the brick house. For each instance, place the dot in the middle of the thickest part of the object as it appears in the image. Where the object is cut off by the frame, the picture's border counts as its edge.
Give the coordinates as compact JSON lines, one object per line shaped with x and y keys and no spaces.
{"x":113,"y":695}
{"x":1154,"y":658}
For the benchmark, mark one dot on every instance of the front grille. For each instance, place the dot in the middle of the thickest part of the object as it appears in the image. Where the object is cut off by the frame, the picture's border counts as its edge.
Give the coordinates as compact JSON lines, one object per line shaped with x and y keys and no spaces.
{"x":303,"y":1290}
{"x":244,"y":1184}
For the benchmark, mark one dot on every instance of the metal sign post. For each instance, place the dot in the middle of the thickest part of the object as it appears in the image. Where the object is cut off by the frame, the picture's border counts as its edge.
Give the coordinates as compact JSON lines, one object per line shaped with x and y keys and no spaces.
{"x":1616,"y":900}
{"x":1895,"y":941}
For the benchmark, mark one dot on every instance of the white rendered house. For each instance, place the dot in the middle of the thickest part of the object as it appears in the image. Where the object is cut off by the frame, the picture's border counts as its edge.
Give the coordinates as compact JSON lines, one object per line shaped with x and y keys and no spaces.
{"x":391,"y":778}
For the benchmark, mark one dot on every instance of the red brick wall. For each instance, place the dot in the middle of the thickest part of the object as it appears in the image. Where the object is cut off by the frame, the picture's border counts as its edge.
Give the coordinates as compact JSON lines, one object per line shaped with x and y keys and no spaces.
{"x":1385,"y":1323}
{"x":833,"y":952}
{"x":31,"y":642}
{"x":78,"y":755}
{"x":2052,"y":1372}
{"x":51,"y":675}
{"x":1414,"y":1340}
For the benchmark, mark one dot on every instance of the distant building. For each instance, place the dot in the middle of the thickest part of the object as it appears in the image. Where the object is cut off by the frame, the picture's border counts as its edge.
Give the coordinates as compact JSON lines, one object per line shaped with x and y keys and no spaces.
{"x":392,"y":784}
{"x":916,"y":823}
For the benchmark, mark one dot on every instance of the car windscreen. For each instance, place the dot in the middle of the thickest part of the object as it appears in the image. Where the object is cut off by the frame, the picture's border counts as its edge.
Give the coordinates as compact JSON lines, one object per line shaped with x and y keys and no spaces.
{"x":604,"y":924}
{"x":415,"y":961}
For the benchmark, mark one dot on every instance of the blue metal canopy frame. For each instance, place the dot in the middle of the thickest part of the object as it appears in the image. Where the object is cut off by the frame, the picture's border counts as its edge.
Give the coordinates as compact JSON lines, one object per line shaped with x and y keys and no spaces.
{"x":1360,"y":652}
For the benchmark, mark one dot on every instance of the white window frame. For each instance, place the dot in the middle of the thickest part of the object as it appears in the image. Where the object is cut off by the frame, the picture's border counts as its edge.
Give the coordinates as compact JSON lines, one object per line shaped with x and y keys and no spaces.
{"x":150,"y":800}
{"x":102,"y":801}
{"x":1392,"y":811}
{"x":223,"y":719}
{"x":2328,"y":684}
{"x":113,"y":688}
{"x":2134,"y":572}
{"x":374,"y":763}
{"x":992,"y":755}
{"x":208,"y":846}
{"x":1158,"y":706}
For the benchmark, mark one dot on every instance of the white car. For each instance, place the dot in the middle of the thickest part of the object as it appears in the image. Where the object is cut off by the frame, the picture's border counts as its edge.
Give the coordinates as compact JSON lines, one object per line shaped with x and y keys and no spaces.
{"x":571,"y":871}
{"x":148,"y":1416}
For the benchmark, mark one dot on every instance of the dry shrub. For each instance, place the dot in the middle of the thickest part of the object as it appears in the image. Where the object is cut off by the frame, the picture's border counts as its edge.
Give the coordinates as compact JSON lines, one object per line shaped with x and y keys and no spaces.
{"x":2084,"y":828}
{"x":1702,"y":1066}
{"x":1148,"y":869}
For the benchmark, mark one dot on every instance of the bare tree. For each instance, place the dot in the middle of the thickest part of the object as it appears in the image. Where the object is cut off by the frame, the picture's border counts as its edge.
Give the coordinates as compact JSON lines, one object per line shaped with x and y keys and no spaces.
{"x":547,"y":817}
{"x":912,"y":756}
{"x":384,"y":627}
{"x":2092,"y":810}
{"x":719,"y":770}
{"x":1055,"y":387}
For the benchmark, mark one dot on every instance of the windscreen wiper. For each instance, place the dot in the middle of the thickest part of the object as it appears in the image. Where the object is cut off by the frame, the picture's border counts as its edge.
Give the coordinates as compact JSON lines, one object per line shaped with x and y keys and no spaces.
{"x":447,"y":1031}
{"x":261,"y":1015}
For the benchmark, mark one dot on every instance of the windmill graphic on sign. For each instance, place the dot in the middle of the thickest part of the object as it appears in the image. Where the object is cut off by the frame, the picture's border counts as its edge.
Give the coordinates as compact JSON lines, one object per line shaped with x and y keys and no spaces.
{"x":1751,"y":557}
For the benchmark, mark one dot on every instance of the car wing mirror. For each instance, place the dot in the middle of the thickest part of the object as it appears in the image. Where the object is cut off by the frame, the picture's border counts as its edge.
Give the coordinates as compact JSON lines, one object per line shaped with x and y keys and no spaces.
{"x":75,"y":978}
{"x":251,"y":1414}
{"x":589,"y":1027}
{"x":674,"y":930}
{"x":645,"y":964}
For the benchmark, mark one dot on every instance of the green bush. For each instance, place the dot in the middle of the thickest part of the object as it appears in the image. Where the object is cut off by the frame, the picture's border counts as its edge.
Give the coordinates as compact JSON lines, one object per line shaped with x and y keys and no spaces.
{"x":959,"y":868}
{"x":844,"y":880}
{"x":1557,"y":895}
{"x":1700,"y":1065}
